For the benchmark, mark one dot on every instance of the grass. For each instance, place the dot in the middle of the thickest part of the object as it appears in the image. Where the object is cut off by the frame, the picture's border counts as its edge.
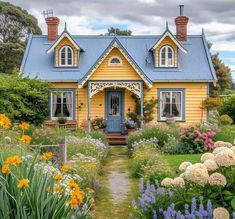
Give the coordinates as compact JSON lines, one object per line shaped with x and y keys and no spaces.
{"x":175,"y":160}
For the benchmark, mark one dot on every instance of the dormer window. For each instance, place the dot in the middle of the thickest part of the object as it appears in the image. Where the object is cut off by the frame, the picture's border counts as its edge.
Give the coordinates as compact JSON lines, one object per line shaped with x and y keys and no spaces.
{"x":66,"y":56}
{"x":166,"y":57}
{"x":115,"y":60}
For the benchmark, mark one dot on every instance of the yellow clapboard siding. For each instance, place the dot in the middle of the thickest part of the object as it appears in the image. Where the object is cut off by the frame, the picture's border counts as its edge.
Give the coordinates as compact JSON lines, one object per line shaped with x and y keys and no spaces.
{"x":122,"y":72}
{"x":195,"y":93}
{"x":66,"y":42}
{"x":166,"y":41}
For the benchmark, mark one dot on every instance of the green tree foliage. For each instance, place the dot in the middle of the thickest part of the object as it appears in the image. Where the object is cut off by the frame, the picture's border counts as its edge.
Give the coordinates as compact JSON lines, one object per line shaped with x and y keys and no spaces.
{"x":23,"y":99}
{"x":228,"y":107}
{"x":15,"y":26}
{"x":223,"y":74}
{"x":117,"y":31}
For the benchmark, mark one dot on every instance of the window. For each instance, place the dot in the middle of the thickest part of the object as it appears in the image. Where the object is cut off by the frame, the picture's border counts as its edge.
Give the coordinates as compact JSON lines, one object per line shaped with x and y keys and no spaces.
{"x":62,"y":104}
{"x":115,"y":60}
{"x":166,"y":57}
{"x":66,"y":56}
{"x":171,"y":104}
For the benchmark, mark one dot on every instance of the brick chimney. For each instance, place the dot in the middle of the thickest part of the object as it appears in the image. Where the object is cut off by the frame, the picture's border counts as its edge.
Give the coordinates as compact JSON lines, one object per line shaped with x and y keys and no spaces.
{"x":181,"y":25}
{"x":52,"y":27}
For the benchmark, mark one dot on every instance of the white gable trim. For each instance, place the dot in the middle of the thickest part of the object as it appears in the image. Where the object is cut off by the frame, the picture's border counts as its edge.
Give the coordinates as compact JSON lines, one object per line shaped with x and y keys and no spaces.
{"x":60,"y":38}
{"x":115,"y":45}
{"x":172,"y":38}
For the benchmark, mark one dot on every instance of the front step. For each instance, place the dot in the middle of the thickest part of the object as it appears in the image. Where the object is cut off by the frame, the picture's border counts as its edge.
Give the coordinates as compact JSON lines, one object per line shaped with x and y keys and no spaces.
{"x":116,"y":139}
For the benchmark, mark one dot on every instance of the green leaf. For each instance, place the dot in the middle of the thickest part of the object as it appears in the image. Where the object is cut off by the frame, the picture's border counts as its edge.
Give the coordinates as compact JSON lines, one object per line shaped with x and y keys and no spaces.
{"x":233,"y":203}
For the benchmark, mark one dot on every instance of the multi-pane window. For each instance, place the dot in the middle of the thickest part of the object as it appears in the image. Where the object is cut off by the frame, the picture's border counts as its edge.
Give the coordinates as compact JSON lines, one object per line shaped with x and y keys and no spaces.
{"x":166,"y":57}
{"x":62,"y":104}
{"x":66,"y":56}
{"x":115,"y":60}
{"x":171,"y":104}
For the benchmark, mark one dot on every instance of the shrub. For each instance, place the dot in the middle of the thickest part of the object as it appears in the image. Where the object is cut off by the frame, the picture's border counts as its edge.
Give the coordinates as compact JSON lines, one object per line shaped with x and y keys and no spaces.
{"x":225,"y":133}
{"x":226,"y":120}
{"x":99,"y":136}
{"x":212,"y":103}
{"x":98,"y":122}
{"x":228,"y":107}
{"x":24,"y":99}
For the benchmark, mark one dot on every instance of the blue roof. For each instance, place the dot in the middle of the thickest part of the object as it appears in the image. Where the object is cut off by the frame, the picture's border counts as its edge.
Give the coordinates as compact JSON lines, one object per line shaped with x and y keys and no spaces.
{"x":196,"y":65}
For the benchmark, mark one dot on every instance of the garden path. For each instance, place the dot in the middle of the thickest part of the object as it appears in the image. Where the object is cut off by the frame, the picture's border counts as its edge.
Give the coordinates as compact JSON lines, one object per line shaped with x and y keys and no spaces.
{"x":118,"y":187}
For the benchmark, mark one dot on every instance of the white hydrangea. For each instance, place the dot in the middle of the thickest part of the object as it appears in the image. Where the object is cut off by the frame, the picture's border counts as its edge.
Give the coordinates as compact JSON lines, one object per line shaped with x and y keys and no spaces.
{"x":217,"y":150}
{"x":233,"y":149}
{"x":207,"y":156}
{"x":211,"y":165}
{"x":167,"y":182}
{"x":225,"y":158}
{"x":197,"y":173}
{"x":183,"y":166}
{"x":217,"y":179}
{"x":220,"y":213}
{"x":222,"y":144}
{"x":178,"y":182}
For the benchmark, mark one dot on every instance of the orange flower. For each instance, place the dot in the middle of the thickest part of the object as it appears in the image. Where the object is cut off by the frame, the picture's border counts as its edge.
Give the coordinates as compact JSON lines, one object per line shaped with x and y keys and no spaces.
{"x":5,"y":122}
{"x":26,"y":139}
{"x":56,"y":188}
{"x":5,"y":169}
{"x":23,"y":183}
{"x":57,"y":176}
{"x":72,"y":184}
{"x":64,"y":168}
{"x":77,"y":195}
{"x":73,"y":202}
{"x":24,"y":126}
{"x":46,"y":155}
{"x":14,"y":160}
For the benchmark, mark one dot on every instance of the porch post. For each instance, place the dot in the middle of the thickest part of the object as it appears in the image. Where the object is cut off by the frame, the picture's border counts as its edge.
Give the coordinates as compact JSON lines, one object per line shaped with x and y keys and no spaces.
{"x":141,"y":105}
{"x":89,"y":106}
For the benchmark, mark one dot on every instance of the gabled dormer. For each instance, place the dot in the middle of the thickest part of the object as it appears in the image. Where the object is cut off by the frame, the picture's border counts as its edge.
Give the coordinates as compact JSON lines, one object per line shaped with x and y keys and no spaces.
{"x":165,"y":50}
{"x":66,"y":50}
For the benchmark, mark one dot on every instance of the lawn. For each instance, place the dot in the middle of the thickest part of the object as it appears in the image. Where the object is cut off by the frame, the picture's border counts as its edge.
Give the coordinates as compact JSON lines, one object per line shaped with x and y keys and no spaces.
{"x":176,"y":159}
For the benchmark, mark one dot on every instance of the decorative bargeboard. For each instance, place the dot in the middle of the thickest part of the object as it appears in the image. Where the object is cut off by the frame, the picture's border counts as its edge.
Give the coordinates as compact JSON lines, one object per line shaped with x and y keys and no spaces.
{"x":133,"y":86}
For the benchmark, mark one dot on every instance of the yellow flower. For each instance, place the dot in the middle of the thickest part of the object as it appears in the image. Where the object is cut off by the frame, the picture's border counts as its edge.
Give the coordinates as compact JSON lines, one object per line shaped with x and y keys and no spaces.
{"x":14,"y":160}
{"x":26,"y":139}
{"x":5,"y":169}
{"x":48,"y":189}
{"x":23,"y":183}
{"x":76,"y":197}
{"x":71,"y":184}
{"x":24,"y":126}
{"x":5,"y":122}
{"x":46,"y":155}
{"x":73,"y":202}
{"x":64,"y":168}
{"x":57,"y":176}
{"x":56,"y":188}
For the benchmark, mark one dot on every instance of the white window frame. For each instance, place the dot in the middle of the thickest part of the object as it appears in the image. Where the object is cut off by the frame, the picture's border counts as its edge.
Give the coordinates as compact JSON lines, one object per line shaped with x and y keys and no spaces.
{"x":167,"y":59}
{"x":115,"y":64}
{"x":61,"y":92}
{"x":178,"y":118}
{"x":66,"y":56}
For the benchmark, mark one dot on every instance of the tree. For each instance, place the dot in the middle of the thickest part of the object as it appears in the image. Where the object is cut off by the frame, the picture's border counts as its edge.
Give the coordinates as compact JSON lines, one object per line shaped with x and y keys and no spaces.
{"x":223,"y":74}
{"x":117,"y":31}
{"x":23,"y":99}
{"x":15,"y":26}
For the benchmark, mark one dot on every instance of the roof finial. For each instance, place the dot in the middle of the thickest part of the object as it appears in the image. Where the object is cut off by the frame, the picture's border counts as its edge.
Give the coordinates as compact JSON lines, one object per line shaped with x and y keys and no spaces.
{"x":65,"y":27}
{"x":203,"y":32}
{"x":167,"y":25}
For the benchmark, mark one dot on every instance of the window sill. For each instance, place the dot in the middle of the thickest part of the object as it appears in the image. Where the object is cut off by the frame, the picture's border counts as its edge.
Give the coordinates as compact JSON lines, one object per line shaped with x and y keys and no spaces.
{"x":174,"y":120}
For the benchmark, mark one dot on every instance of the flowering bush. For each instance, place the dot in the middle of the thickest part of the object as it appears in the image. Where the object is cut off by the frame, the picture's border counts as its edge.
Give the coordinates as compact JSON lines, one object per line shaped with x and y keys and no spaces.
{"x":130,"y":124}
{"x":98,"y":122}
{"x":196,"y":141}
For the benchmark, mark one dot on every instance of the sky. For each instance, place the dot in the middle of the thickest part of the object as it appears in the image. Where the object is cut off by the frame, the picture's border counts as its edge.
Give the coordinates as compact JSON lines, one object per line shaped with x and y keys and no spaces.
{"x":217,"y":17}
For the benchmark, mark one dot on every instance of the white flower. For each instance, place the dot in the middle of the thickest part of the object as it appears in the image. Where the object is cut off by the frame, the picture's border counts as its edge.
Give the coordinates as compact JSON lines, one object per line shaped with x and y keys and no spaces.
{"x":211,"y":165}
{"x":217,"y":179}
{"x":183,"y":166}
{"x":219,"y":149}
{"x":179,"y":182}
{"x":233,"y":149}
{"x":197,"y":173}
{"x":220,"y":213}
{"x":167,"y":182}
{"x":225,"y":158}
{"x":207,"y":156}
{"x":222,"y":144}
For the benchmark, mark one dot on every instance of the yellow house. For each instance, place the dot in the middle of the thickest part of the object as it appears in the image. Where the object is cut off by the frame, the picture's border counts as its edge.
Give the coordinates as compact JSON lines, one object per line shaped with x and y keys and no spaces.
{"x":97,"y":76}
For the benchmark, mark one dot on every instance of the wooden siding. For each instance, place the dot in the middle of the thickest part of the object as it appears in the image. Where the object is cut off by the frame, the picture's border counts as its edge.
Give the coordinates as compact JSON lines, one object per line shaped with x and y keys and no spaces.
{"x":167,"y":41}
{"x":115,"y":72}
{"x":66,"y":42}
{"x":195,"y":93}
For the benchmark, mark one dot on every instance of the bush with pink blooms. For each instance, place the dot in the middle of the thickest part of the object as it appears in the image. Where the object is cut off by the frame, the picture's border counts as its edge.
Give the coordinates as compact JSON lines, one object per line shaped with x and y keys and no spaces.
{"x":194,"y":140}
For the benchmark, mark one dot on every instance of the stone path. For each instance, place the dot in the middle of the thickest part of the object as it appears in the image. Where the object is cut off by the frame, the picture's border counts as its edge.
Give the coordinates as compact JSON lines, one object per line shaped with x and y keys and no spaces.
{"x":118,"y":187}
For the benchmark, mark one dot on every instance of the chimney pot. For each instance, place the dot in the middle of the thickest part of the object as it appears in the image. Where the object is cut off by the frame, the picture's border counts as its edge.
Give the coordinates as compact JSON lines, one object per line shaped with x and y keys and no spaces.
{"x":181,"y":25}
{"x":52,"y":27}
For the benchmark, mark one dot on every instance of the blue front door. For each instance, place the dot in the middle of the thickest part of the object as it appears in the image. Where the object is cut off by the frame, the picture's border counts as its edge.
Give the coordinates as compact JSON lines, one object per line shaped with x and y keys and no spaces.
{"x":114,"y":108}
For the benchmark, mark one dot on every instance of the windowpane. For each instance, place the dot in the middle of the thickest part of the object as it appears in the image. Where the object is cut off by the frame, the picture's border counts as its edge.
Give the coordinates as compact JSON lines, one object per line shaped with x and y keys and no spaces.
{"x":69,"y":56}
{"x":163,"y":56}
{"x":115,"y":61}
{"x":170,"y":56}
{"x":66,"y":56}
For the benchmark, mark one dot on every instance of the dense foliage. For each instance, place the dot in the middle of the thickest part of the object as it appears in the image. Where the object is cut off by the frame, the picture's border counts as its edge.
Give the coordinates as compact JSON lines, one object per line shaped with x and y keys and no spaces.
{"x":24,"y":99}
{"x":15,"y":26}
{"x":228,"y":107}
